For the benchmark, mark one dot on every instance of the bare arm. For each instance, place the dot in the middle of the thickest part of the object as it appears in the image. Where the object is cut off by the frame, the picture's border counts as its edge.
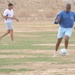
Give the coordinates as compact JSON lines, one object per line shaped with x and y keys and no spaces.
{"x":6,"y":17}
{"x":58,"y":20}
{"x":15,"y":18}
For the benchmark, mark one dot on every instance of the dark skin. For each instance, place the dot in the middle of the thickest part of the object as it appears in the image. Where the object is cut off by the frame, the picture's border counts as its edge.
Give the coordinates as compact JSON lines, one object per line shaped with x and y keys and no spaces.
{"x":66,"y":38}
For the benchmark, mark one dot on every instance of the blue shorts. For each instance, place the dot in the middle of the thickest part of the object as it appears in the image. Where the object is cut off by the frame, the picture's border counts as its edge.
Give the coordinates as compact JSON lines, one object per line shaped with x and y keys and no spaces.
{"x":64,"y":31}
{"x":9,"y":26}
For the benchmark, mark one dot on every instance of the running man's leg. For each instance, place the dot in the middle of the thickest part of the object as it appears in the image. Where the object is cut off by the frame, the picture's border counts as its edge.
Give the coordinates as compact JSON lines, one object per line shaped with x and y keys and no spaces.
{"x":58,"y":43}
{"x":61,"y":33}
{"x":10,"y":27}
{"x":57,"y":46}
{"x":6,"y":33}
{"x":66,"y":38}
{"x":11,"y":35}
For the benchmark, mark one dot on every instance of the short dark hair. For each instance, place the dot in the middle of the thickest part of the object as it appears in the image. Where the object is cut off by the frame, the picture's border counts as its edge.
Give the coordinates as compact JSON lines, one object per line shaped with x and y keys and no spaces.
{"x":10,"y":4}
{"x":68,"y":5}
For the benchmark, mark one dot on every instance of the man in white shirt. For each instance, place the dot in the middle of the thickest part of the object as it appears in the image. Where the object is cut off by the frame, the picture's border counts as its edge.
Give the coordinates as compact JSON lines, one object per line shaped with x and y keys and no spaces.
{"x":8,"y":16}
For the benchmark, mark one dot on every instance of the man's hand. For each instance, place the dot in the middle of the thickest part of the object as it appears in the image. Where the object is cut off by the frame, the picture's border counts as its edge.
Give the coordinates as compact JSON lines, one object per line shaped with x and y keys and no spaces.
{"x":17,"y":20}
{"x":58,"y":20}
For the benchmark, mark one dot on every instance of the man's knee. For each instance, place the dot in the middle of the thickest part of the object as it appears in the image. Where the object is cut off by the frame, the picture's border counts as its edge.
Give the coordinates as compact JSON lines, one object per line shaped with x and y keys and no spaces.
{"x":8,"y":31}
{"x":11,"y":31}
{"x":66,"y":38}
{"x":59,"y":41}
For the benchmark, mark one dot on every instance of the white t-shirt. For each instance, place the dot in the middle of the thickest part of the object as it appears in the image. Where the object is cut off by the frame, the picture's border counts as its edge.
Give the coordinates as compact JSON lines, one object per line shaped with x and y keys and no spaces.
{"x":8,"y":13}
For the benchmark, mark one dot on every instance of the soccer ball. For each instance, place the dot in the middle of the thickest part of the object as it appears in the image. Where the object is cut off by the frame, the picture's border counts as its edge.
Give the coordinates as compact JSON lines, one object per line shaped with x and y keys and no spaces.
{"x":63,"y":52}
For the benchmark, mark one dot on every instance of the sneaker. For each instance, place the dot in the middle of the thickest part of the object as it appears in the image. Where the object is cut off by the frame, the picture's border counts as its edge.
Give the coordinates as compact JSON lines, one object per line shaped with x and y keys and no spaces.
{"x":55,"y":54}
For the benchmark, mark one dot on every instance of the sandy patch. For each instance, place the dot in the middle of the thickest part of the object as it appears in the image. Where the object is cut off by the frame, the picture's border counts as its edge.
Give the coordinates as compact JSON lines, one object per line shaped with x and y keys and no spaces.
{"x":51,"y":44}
{"x":29,"y":36}
{"x":32,"y":51}
{"x":26,"y":51}
{"x":18,"y":56}
{"x":11,"y":56}
{"x":42,"y":68}
{"x":46,"y":69}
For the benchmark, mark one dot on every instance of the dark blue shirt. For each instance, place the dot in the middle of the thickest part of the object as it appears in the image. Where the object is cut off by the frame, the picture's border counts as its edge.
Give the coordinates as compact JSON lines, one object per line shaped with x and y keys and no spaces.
{"x":66,"y":19}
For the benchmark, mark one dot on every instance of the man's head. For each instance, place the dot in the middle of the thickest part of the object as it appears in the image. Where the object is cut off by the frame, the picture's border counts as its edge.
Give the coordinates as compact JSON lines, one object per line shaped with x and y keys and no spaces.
{"x":10,"y":6}
{"x":68,"y":7}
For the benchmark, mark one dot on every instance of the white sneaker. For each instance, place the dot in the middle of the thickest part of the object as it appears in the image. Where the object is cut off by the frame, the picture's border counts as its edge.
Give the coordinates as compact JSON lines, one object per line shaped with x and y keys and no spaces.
{"x":55,"y":54}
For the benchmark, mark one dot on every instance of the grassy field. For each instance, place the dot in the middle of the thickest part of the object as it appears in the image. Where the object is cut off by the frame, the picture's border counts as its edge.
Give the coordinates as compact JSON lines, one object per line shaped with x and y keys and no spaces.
{"x":31,"y":52}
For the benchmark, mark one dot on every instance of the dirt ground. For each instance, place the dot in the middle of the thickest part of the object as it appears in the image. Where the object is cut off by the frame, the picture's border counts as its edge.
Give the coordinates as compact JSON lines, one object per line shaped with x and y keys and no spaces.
{"x":40,"y":68}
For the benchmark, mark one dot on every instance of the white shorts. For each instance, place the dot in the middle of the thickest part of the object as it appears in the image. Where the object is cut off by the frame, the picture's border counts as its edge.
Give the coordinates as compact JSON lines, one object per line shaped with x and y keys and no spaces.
{"x":64,"y":31}
{"x":9,"y":26}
